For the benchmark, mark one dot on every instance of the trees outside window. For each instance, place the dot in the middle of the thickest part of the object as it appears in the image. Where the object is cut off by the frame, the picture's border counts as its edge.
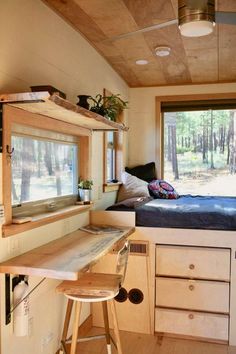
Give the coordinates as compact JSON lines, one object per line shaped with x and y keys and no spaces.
{"x":200,"y":151}
{"x":42,"y":169}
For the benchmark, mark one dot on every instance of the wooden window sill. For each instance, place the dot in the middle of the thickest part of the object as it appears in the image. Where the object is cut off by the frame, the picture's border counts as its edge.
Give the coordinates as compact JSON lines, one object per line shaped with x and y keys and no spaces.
{"x":111,"y":187}
{"x":43,"y":219}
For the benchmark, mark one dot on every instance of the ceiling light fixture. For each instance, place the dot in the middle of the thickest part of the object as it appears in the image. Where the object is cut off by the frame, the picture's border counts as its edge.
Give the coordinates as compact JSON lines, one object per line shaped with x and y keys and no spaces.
{"x":141,"y":62}
{"x":196,"y":18}
{"x":162,"y":51}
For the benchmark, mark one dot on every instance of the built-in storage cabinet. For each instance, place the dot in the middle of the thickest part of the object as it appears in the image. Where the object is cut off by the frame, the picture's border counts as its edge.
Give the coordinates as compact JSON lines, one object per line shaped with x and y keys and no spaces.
{"x":192,"y":291}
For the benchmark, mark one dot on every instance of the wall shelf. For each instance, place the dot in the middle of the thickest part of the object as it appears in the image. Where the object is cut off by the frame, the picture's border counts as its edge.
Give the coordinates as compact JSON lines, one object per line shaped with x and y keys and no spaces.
{"x":61,"y":110}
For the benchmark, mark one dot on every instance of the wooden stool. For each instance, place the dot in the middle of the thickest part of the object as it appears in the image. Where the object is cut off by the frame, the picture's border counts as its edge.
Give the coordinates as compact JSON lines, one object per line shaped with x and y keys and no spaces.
{"x":94,"y":287}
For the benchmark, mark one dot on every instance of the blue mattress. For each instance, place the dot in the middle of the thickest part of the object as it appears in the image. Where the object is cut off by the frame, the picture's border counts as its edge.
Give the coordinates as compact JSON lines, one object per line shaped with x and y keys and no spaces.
{"x":191,"y":212}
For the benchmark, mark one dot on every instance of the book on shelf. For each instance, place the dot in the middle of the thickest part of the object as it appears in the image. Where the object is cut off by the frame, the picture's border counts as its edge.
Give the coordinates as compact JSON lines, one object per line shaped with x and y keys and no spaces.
{"x":100,"y":229}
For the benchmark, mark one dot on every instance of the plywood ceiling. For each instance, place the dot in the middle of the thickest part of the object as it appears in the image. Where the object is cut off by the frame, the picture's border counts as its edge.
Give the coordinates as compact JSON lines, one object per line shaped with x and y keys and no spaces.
{"x":208,"y":59}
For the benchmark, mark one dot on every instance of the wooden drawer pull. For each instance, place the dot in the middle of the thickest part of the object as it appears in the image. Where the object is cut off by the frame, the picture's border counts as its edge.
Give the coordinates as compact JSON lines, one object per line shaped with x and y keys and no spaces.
{"x":191,"y":316}
{"x":191,"y":266}
{"x":191,"y":287}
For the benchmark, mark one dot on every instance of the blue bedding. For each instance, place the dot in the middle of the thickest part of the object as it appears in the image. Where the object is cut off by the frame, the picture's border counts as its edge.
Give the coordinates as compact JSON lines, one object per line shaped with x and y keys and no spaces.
{"x":191,"y":212}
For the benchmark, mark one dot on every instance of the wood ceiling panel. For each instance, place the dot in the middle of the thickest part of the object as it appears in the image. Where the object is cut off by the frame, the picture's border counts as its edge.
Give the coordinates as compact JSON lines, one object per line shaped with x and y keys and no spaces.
{"x":227,"y":53}
{"x":74,"y":15}
{"x":202,"y":57}
{"x":124,"y":71}
{"x":226,"y":5}
{"x":148,"y":74}
{"x":111,"y":16}
{"x":134,"y":48}
{"x":192,"y":60}
{"x":203,"y":64}
{"x":174,"y":67}
{"x":131,"y":49}
{"x":153,"y":11}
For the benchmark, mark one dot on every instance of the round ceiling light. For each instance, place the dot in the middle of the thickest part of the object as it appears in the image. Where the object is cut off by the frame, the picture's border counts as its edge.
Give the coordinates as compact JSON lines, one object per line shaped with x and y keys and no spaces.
{"x":196,"y":28}
{"x":196,"y":19}
{"x":141,"y":62}
{"x":162,"y":51}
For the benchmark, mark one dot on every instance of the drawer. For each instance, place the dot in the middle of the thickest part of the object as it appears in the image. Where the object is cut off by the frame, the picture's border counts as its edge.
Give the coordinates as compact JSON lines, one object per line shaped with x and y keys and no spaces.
{"x":193,"y":262}
{"x":197,"y":324}
{"x":200,"y":295}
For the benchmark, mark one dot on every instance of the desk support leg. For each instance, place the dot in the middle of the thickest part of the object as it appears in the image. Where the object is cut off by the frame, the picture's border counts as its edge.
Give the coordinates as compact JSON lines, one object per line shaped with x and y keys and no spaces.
{"x":7,"y":298}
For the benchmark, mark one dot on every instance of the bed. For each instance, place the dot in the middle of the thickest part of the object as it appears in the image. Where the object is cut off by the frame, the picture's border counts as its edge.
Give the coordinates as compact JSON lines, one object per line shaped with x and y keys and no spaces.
{"x":191,"y":212}
{"x":155,"y":205}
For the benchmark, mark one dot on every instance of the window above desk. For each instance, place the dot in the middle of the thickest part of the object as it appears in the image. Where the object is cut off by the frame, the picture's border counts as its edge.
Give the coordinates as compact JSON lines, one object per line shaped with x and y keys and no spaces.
{"x":46,"y":146}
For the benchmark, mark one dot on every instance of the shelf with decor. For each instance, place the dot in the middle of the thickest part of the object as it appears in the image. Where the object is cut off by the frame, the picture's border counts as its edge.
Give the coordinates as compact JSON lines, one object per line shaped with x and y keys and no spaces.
{"x":47,"y":116}
{"x":55,"y":107}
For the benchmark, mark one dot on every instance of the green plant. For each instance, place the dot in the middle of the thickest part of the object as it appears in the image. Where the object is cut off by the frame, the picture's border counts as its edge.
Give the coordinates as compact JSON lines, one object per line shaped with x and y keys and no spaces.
{"x":85,"y":184}
{"x":108,"y":106}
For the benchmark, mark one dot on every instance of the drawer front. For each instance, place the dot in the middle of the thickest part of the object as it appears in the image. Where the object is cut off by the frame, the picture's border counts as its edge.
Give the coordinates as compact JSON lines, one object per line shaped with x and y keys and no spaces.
{"x":200,"y":295}
{"x":197,"y":324}
{"x":193,"y":262}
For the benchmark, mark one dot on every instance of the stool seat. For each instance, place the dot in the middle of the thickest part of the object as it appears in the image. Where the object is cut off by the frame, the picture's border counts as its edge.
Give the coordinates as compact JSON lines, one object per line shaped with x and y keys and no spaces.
{"x":91,"y":287}
{"x":94,"y":287}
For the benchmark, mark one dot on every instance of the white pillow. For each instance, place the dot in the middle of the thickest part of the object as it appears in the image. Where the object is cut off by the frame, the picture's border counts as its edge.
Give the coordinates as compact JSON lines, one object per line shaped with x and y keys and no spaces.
{"x":132,"y":187}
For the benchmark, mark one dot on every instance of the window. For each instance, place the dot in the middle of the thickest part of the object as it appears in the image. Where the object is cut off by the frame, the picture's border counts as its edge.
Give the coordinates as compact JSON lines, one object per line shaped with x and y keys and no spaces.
{"x":200,"y":150}
{"x":42,"y":169}
{"x":42,"y":159}
{"x":111,"y":156}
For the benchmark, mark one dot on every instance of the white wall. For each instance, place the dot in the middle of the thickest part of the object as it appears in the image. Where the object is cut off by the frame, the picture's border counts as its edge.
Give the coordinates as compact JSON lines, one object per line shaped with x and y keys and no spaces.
{"x":142,"y":116}
{"x":38,"y":48}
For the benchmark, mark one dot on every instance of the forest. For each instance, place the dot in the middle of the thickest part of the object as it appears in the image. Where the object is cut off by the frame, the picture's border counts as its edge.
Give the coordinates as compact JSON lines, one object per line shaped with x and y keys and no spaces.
{"x":42,"y":169}
{"x":200,"y":151}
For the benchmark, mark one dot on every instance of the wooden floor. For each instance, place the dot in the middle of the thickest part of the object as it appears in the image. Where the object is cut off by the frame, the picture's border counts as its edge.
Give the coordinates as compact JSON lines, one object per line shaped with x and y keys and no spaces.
{"x":133,"y":343}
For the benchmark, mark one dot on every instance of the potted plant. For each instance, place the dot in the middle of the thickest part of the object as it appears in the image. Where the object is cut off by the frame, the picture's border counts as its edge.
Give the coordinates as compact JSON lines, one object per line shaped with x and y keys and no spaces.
{"x":85,"y":187}
{"x":108,"y":106}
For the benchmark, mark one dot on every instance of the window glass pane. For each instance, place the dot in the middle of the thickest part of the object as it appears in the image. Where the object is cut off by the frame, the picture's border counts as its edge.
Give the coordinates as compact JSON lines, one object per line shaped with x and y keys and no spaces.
{"x":110,"y":156}
{"x":200,"y":152}
{"x":42,"y":169}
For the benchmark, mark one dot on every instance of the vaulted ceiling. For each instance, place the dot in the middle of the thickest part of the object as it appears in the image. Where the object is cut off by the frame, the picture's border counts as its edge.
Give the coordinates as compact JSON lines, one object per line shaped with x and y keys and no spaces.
{"x":208,"y":59}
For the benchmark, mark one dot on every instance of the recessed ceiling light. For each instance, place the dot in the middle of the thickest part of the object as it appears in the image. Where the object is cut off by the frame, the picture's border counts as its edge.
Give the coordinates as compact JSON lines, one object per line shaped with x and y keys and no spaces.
{"x":162,"y":51}
{"x":141,"y":62}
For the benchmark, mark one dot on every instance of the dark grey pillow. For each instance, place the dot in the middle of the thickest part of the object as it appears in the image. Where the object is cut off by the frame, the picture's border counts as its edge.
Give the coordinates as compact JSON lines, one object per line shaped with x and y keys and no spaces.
{"x":145,"y":172}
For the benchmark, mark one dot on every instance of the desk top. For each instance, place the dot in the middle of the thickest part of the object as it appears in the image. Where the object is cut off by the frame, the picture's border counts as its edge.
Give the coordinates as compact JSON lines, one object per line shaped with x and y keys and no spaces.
{"x":67,"y":257}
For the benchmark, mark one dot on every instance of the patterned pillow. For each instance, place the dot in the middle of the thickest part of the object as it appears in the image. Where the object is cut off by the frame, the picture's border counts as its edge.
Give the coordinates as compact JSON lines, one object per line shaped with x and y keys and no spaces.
{"x":160,"y":189}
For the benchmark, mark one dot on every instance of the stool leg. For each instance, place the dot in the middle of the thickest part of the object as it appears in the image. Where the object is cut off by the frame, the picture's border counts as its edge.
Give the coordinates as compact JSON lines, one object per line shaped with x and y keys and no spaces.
{"x":116,"y":328}
{"x":75,"y":327}
{"x":106,"y":323}
{"x":67,"y":319}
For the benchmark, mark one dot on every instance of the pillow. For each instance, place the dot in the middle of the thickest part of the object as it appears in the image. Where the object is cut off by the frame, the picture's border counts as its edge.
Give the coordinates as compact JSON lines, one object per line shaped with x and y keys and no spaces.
{"x":131,"y":203}
{"x":132,"y":187}
{"x":160,"y":189}
{"x":145,"y":172}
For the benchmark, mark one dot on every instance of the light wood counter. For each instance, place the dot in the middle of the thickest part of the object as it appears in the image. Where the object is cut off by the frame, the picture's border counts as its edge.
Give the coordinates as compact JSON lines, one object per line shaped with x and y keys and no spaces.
{"x":67,"y":257}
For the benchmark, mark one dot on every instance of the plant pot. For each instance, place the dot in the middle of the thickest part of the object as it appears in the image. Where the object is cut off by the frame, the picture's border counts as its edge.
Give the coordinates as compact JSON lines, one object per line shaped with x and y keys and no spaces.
{"x":85,"y":194}
{"x":83,"y":101}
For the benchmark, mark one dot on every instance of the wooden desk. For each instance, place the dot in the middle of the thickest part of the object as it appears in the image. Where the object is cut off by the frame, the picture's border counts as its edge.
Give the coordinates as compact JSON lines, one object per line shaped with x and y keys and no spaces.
{"x":67,"y":257}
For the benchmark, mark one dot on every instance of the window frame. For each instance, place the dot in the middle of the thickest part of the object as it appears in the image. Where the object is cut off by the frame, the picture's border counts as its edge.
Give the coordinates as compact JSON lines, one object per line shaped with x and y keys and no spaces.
{"x":13,"y":115}
{"x":160,"y":119}
{"x":22,"y":208}
{"x":114,"y":159}
{"x":118,"y":152}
